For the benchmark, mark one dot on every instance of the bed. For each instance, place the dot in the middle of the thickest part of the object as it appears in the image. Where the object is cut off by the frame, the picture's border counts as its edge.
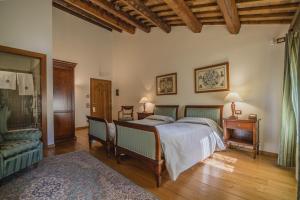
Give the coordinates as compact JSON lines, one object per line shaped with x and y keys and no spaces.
{"x":99,"y":130}
{"x":178,"y":146}
{"x":102,"y":131}
{"x":162,"y":114}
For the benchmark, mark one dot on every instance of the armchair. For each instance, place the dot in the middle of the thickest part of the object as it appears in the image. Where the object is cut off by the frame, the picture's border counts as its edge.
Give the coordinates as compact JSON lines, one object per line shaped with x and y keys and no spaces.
{"x":126,"y":113}
{"x":18,"y":150}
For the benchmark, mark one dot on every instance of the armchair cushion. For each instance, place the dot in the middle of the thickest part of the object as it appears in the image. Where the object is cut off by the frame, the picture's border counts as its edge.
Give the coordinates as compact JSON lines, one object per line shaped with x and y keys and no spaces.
{"x":13,"y":147}
{"x":26,"y":134}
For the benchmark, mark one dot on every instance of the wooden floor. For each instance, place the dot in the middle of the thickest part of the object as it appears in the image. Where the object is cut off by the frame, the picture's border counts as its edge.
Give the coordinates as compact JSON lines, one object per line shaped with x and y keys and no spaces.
{"x":228,"y":175}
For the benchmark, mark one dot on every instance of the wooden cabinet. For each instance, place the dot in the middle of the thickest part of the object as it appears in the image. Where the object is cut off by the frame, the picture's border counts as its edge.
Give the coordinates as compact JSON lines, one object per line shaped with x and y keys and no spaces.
{"x":142,"y":115}
{"x":63,"y":100}
{"x":242,"y":133}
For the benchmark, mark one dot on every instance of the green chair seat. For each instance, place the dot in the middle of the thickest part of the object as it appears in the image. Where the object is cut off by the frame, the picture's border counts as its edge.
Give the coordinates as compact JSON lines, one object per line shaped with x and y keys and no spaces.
{"x":9,"y":148}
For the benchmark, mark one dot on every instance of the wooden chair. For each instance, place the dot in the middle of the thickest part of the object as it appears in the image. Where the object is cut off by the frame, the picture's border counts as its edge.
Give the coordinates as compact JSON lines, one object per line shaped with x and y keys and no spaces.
{"x":126,"y":113}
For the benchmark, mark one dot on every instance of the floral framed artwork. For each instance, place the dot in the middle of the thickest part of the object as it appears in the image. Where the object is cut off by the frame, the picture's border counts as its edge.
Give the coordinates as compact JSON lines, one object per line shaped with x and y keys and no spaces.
{"x":166,"y":84}
{"x":212,"y":78}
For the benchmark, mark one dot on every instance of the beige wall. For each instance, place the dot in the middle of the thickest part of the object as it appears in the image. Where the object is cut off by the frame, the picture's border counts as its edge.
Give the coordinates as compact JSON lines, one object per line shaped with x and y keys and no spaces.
{"x":133,"y":61}
{"x":87,"y":45}
{"x":256,"y":69}
{"x":28,"y":25}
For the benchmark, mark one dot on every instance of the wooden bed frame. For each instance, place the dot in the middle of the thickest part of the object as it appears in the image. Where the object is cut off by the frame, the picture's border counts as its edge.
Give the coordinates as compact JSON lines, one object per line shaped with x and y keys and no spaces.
{"x":156,"y":164}
{"x":220,"y":107}
{"x":107,"y":144}
{"x":169,"y":106}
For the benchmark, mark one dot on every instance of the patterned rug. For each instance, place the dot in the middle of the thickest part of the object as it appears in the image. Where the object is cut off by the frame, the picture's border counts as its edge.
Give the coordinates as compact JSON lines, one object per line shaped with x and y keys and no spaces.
{"x":76,"y":175}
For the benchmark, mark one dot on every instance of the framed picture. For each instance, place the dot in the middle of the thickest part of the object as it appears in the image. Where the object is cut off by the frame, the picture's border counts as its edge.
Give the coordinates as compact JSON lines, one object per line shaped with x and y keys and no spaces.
{"x":212,"y":78}
{"x":166,"y":84}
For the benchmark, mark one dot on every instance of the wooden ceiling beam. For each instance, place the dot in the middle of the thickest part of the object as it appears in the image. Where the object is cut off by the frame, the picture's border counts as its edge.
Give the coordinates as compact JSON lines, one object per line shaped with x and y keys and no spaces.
{"x":264,"y":3}
{"x":186,"y":15}
{"x":267,"y":22}
{"x":230,"y":14}
{"x":143,"y":10}
{"x":193,"y":9}
{"x":247,"y":18}
{"x":267,"y":11}
{"x":66,"y":7}
{"x":103,"y":15}
{"x":122,"y":15}
{"x":285,"y":6}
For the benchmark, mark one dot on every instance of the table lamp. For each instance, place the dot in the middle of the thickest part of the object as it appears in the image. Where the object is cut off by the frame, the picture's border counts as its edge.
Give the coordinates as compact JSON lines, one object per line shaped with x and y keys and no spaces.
{"x":233,"y":97}
{"x":144,"y":100}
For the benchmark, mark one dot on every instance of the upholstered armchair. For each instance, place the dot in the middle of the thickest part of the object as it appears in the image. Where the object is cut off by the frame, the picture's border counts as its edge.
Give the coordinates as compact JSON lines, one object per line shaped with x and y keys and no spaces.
{"x":126,"y":113}
{"x":18,"y":150}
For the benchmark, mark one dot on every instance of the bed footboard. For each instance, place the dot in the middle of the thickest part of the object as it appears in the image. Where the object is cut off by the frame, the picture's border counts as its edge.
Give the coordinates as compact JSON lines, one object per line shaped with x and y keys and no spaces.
{"x":141,"y":142}
{"x":98,"y":130}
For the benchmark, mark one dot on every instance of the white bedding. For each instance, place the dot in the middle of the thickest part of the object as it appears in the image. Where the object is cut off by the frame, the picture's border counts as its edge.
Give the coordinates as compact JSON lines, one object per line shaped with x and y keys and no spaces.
{"x":186,"y":143}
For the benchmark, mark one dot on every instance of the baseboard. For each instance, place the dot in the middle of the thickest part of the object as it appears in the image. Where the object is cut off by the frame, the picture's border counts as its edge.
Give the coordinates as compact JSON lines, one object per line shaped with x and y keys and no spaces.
{"x":271,"y":154}
{"x":81,"y":128}
{"x":265,"y":153}
{"x":65,"y":140}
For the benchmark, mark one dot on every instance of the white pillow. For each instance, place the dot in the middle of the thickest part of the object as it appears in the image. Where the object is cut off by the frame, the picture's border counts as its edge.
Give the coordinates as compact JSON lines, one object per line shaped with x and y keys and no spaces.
{"x":161,"y":118}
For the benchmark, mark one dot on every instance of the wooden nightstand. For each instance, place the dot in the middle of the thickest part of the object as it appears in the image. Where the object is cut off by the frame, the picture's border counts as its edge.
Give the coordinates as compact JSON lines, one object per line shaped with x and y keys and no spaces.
{"x":142,"y":115}
{"x":242,"y":133}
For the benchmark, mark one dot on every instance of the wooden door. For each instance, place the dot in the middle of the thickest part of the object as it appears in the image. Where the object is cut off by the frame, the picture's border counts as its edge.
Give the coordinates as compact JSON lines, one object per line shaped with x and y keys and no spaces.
{"x":101,"y":99}
{"x":63,"y":100}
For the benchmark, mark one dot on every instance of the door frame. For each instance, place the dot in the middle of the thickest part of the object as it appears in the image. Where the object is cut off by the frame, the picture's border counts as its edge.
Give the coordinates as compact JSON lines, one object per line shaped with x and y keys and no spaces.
{"x":66,"y":65}
{"x":110,"y":103}
{"x":43,"y":62}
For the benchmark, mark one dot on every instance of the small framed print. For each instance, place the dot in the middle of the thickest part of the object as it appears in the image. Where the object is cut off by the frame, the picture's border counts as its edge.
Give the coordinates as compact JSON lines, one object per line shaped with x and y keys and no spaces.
{"x":166,"y":84}
{"x":212,"y":78}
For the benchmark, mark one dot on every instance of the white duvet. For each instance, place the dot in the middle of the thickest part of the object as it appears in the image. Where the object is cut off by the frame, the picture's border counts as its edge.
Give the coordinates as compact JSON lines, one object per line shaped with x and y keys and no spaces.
{"x":187,"y":142}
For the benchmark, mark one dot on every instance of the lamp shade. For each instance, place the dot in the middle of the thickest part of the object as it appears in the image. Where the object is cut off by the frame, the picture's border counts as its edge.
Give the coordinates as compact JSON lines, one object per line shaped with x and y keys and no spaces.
{"x":144,"y":100}
{"x":233,"y":97}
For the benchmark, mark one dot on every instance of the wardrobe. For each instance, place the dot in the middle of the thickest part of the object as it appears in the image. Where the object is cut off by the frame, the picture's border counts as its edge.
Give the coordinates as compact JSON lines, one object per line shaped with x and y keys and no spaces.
{"x":63,"y":101}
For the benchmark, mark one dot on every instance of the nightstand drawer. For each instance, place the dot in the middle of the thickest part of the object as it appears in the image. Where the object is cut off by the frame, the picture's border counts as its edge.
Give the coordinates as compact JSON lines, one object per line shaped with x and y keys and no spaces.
{"x":239,"y":125}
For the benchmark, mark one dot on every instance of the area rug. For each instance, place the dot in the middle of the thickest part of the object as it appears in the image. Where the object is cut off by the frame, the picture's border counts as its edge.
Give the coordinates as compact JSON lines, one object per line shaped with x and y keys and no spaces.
{"x":76,"y":175}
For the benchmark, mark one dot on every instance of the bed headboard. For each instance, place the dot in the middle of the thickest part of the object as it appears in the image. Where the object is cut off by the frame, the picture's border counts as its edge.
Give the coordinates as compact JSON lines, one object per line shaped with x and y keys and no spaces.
{"x":214,"y":112}
{"x":167,"y":110}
